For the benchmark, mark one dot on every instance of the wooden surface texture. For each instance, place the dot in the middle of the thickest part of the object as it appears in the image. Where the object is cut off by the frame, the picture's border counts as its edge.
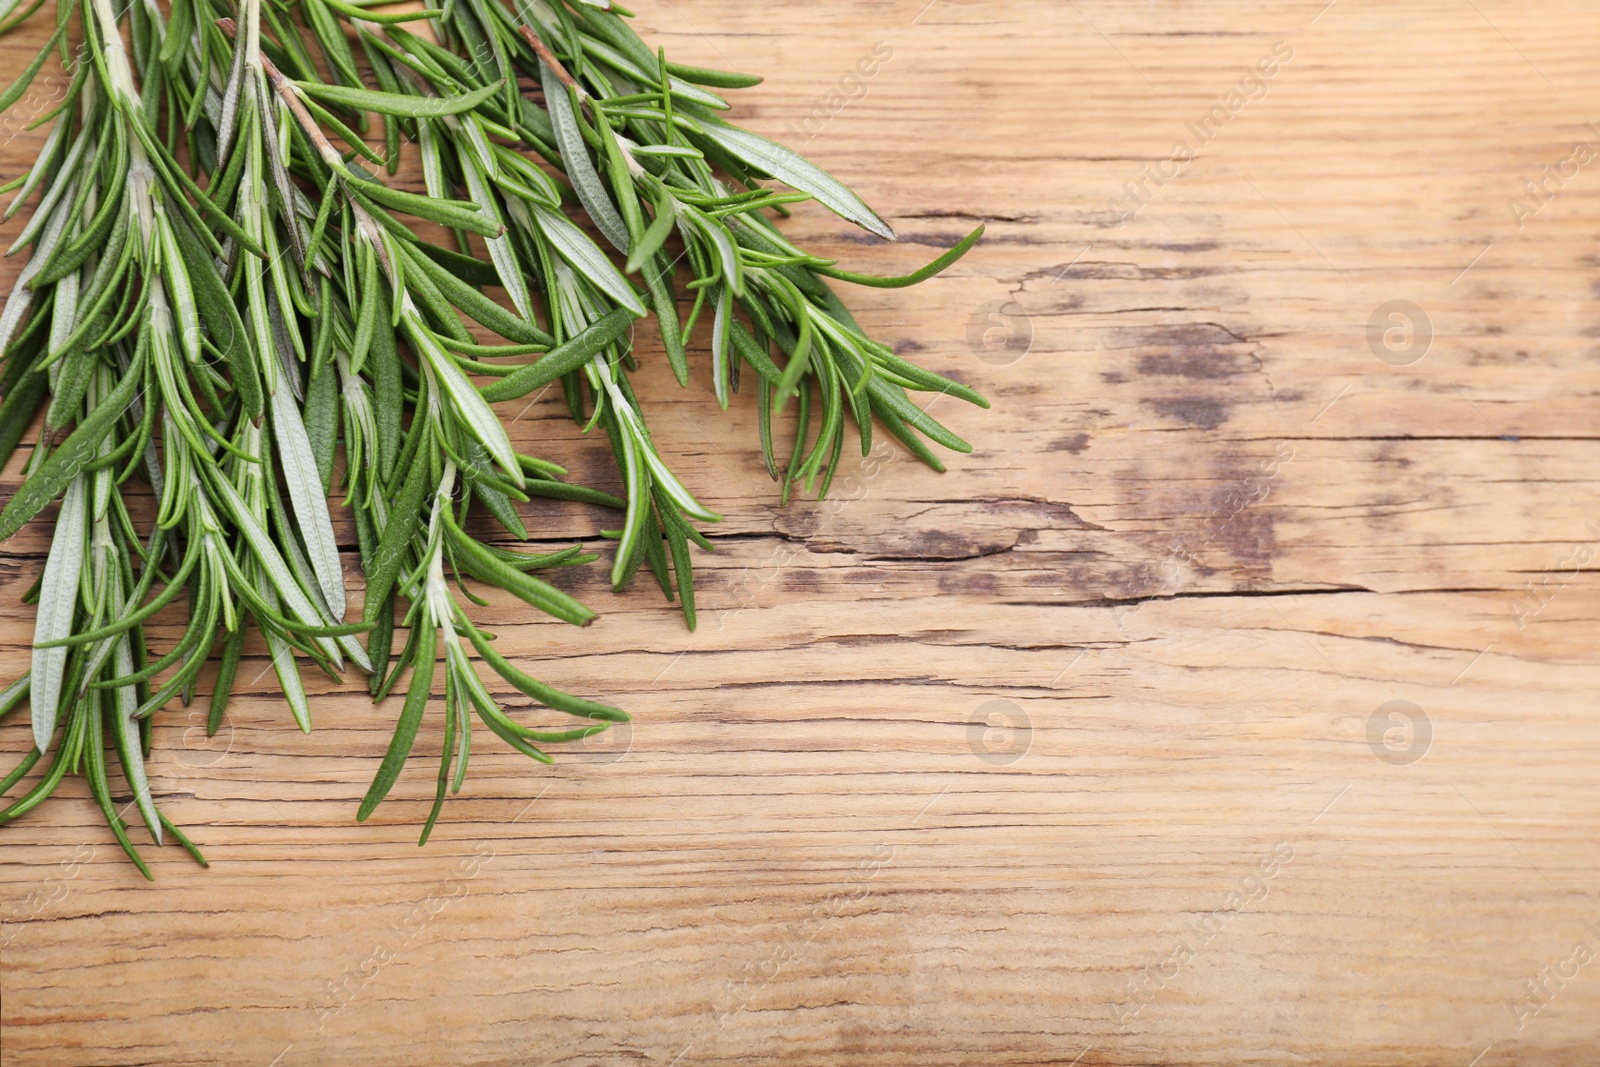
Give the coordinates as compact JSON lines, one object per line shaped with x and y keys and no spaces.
{"x":1233,"y":702}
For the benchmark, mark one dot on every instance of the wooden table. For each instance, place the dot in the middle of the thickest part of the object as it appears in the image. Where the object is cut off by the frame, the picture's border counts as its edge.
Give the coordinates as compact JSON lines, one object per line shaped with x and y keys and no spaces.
{"x":1233,"y":703}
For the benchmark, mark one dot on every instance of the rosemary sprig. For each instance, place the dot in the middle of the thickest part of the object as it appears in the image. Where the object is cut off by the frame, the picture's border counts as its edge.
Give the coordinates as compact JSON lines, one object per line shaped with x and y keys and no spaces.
{"x":217,"y":296}
{"x":662,"y":143}
{"x":414,"y":523}
{"x":580,"y":289}
{"x":646,"y":151}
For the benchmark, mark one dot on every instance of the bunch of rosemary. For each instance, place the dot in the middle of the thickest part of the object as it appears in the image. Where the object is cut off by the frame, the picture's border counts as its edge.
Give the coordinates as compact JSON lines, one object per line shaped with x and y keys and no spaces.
{"x":218,"y":297}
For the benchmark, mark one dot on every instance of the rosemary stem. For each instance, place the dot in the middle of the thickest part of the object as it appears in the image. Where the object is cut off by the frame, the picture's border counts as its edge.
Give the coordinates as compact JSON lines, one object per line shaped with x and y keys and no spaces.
{"x":542,"y":50}
{"x":286,"y":91}
{"x":437,"y":591}
{"x":141,"y":175}
{"x":116,"y":55}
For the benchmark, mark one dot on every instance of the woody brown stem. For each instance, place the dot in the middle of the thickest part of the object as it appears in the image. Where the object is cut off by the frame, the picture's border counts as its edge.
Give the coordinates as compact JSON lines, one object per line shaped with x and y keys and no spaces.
{"x":297,"y":107}
{"x":550,"y":60}
{"x":330,"y":155}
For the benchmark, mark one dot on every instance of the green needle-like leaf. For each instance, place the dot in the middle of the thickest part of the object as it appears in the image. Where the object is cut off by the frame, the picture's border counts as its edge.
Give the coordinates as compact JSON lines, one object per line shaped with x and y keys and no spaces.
{"x":58,"y":600}
{"x":797,"y":172}
{"x":398,"y":104}
{"x":405,"y":731}
{"x":76,"y":452}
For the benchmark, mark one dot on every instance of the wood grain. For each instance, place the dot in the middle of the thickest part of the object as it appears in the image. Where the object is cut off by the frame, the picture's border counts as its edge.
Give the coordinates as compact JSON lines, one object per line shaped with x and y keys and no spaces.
{"x":1079,"y":753}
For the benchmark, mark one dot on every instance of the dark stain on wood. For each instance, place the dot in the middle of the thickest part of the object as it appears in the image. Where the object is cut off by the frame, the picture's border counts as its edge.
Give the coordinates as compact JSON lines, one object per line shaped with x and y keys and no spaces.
{"x":1072,"y":442}
{"x":1206,"y":412}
